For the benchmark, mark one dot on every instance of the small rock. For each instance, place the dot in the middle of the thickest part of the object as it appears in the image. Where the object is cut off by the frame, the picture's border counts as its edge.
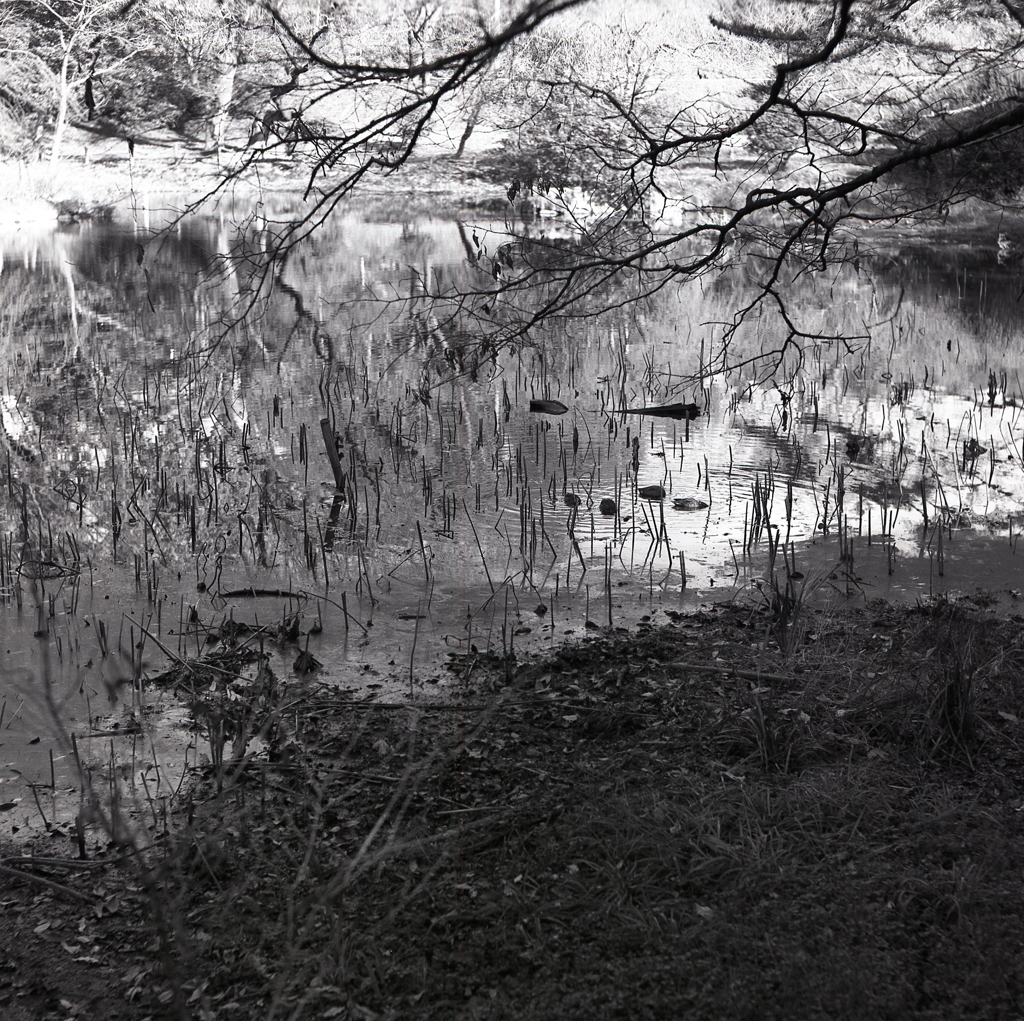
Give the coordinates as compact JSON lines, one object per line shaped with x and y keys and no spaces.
{"x":653,"y":493}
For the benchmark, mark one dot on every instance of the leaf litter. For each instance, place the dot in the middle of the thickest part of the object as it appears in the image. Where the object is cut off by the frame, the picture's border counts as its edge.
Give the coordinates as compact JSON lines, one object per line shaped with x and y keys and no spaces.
{"x":613,"y":830}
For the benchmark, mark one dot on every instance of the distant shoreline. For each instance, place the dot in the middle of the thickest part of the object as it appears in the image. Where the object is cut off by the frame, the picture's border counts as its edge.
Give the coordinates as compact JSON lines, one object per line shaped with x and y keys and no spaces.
{"x":104,"y":179}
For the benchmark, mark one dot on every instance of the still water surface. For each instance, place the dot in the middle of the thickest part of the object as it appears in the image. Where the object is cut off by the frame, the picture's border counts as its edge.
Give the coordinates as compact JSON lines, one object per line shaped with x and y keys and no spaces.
{"x":158,"y":458}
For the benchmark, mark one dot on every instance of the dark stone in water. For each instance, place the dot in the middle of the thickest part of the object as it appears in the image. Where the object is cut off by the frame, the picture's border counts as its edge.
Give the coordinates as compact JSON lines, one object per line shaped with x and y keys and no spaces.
{"x":572,"y":500}
{"x":653,"y":493}
{"x":607,"y":506}
{"x":548,"y":407}
{"x":688,"y":503}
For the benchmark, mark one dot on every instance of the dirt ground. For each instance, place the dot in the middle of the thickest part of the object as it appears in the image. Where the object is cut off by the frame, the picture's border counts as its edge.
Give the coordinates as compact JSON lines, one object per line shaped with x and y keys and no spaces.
{"x":682,"y":822}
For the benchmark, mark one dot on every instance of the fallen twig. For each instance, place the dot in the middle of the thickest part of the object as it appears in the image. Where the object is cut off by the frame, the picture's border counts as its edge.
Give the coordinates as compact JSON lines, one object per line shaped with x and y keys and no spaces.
{"x":731,"y":671}
{"x":42,"y":881}
{"x":376,"y":777}
{"x":55,"y":863}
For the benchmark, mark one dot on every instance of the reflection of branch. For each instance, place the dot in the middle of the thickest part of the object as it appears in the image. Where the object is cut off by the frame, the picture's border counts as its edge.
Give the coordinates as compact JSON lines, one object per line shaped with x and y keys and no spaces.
{"x":303,"y":315}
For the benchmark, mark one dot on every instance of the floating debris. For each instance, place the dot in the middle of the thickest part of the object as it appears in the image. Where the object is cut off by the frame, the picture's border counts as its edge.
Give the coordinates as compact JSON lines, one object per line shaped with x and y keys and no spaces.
{"x":306,"y":663}
{"x":232,"y":696}
{"x":608,"y":506}
{"x":1010,"y":249}
{"x":543,"y":407}
{"x":688,"y":503}
{"x":653,"y":492}
{"x":973,"y":449}
{"x":45,"y":569}
{"x":687,"y":411}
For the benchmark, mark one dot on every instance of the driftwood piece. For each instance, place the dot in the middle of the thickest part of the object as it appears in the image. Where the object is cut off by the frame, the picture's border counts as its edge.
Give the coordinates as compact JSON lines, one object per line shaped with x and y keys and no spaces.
{"x":545,"y":407}
{"x":332,"y":453}
{"x":687,"y":411}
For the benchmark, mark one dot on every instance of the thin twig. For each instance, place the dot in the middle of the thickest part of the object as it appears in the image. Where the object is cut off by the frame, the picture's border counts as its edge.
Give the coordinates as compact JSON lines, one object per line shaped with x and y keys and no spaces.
{"x":32,"y":878}
{"x":729,"y":671}
{"x":55,"y":863}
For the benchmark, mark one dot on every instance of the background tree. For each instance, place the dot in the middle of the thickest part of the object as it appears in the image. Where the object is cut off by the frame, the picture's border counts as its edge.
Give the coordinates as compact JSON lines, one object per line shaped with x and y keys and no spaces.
{"x":131,"y":67}
{"x":52,"y":54}
{"x":223,"y":61}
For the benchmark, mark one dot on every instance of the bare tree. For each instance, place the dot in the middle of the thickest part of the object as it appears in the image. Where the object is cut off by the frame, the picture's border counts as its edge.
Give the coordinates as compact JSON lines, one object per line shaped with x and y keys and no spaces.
{"x":834,"y":115}
{"x":225,"y":58}
{"x":53,"y":51}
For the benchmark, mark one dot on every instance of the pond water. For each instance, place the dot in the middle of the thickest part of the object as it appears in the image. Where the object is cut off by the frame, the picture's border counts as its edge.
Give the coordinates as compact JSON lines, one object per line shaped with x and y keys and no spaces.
{"x":163,"y":468}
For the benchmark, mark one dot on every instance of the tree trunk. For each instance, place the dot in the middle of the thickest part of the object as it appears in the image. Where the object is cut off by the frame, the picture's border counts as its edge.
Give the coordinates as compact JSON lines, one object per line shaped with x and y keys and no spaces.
{"x":63,"y":92}
{"x":471,"y":121}
{"x":224,"y":94}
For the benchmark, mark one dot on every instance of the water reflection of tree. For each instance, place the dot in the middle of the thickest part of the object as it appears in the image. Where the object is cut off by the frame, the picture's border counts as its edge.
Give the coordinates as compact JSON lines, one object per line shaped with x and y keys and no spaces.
{"x":986,"y":295}
{"x":132,"y":428}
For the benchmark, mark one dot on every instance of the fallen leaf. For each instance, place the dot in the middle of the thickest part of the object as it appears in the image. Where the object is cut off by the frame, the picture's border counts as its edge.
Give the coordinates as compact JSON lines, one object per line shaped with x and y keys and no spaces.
{"x":306,"y":663}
